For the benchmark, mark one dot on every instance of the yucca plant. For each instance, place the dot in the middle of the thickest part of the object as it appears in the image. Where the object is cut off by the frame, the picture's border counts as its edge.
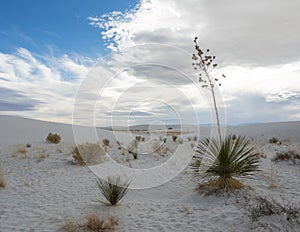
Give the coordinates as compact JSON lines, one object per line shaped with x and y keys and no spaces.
{"x":217,"y":164}
{"x":113,"y":189}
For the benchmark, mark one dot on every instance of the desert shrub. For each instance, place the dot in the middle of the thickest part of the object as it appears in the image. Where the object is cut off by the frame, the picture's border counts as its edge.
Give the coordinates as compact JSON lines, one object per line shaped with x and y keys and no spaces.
{"x":113,"y":189}
{"x":88,"y":153}
{"x":92,"y":223}
{"x":174,"y":137}
{"x":53,"y":138}
{"x":138,"y":138}
{"x":2,"y":181}
{"x":143,"y":139}
{"x":133,"y":148}
{"x":284,"y":156}
{"x":273,"y":140}
{"x":218,"y":164}
{"x":106,"y":142}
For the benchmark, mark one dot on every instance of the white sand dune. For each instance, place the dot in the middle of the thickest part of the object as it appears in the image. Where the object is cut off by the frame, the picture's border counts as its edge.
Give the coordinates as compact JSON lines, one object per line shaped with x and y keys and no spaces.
{"x":41,"y":193}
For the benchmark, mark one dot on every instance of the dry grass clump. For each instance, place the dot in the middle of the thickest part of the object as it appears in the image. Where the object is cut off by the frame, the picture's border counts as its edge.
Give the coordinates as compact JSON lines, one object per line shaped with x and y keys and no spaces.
{"x":92,"y":222}
{"x":22,"y":150}
{"x":88,"y":153}
{"x":53,"y":138}
{"x":261,"y":206}
{"x":285,"y":156}
{"x":42,"y":157}
{"x":160,"y":148}
{"x":2,"y":181}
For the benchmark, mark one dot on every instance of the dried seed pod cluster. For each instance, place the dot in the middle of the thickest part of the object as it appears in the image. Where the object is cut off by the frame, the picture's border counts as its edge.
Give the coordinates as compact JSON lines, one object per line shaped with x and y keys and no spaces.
{"x":206,"y":62}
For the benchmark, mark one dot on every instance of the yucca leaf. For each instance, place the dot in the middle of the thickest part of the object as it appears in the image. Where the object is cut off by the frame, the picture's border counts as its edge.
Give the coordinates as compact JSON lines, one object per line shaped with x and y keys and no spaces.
{"x":224,"y":160}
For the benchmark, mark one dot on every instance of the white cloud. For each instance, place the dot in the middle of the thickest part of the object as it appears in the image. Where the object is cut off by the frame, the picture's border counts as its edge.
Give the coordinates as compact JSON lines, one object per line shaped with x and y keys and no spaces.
{"x":41,"y":83}
{"x":255,"y":42}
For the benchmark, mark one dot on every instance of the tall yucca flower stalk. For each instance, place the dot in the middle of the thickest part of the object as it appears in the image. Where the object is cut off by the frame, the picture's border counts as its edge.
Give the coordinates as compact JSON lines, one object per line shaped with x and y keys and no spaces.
{"x":204,"y":61}
{"x":218,"y":164}
{"x":113,"y":189}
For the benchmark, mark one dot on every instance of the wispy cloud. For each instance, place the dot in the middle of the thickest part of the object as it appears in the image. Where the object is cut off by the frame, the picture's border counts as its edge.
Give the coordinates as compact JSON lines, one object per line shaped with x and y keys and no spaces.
{"x":40,"y":88}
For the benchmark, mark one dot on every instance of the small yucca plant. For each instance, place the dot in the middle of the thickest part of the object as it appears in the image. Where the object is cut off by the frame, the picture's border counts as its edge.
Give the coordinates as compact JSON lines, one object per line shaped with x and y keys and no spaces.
{"x":217,"y":164}
{"x":113,"y":189}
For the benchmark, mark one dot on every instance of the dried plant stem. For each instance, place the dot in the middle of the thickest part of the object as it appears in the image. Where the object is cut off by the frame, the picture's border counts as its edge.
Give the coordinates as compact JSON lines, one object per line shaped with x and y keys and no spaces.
{"x":215,"y":103}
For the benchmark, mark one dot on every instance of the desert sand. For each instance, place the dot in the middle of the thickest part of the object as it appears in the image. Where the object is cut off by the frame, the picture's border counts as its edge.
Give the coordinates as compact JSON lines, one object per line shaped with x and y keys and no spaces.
{"x":44,"y":187}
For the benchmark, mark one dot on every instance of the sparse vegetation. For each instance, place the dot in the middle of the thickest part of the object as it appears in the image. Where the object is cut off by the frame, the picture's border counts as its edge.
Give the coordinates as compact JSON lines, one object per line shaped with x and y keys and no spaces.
{"x":159,"y":148}
{"x":218,"y":164}
{"x":259,"y":206}
{"x":88,"y":153}
{"x":174,"y":138}
{"x":274,"y":140}
{"x":106,"y":142}
{"x":22,"y":150}
{"x":113,"y":189}
{"x":260,"y":155}
{"x":133,"y":149}
{"x":2,"y":181}
{"x":92,"y":222}
{"x":138,"y":138}
{"x":285,"y":156}
{"x":42,"y":157}
{"x":163,"y":139}
{"x":53,"y":138}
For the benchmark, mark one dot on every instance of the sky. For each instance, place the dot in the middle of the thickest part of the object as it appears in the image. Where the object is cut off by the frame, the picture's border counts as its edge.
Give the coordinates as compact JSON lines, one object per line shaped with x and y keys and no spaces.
{"x":129,"y":62}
